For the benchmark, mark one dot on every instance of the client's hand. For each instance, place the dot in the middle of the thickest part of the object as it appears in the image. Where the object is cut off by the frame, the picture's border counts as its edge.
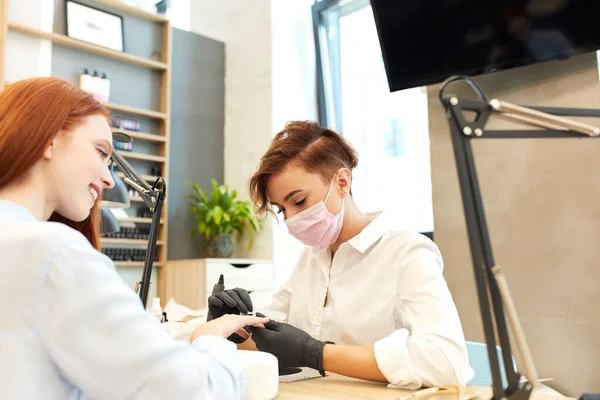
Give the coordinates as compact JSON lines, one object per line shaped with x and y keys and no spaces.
{"x":292,"y":346}
{"x":229,"y":324}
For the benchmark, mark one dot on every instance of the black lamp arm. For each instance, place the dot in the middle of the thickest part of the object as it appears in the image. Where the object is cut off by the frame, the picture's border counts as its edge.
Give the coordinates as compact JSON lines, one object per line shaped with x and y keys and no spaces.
{"x":492,"y":289}
{"x":154,"y":197}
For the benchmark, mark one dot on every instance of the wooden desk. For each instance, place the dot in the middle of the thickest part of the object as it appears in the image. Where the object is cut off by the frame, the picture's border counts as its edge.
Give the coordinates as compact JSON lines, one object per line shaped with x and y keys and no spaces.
{"x":339,"y":387}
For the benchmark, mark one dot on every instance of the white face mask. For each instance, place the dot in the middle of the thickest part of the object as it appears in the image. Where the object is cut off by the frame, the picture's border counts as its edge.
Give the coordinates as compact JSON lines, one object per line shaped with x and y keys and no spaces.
{"x":316,"y":226}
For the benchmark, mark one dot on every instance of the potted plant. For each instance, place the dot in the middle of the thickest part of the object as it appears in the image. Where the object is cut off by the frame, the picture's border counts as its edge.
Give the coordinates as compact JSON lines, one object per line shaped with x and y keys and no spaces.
{"x":218,"y":217}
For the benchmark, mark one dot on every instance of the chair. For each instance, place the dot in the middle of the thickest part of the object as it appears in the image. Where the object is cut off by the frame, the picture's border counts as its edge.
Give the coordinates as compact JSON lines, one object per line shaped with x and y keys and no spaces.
{"x":479,"y":361}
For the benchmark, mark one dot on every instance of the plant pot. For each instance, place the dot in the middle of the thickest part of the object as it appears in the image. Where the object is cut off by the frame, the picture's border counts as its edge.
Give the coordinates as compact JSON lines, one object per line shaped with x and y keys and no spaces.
{"x":218,"y":247}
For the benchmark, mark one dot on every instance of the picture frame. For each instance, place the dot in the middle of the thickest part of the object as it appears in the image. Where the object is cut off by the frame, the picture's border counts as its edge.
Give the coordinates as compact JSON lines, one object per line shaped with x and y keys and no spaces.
{"x":93,"y":25}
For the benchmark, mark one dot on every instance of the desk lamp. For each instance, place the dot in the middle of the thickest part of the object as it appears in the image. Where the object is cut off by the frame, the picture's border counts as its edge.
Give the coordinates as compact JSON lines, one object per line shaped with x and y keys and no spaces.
{"x":490,"y":281}
{"x":108,"y":222}
{"x":153,"y":196}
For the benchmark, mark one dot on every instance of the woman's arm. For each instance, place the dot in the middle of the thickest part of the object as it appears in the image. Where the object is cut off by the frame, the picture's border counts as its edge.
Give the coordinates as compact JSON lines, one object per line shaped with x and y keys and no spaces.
{"x":294,"y":347}
{"x":354,"y":361}
{"x":428,"y":347}
{"x":103,"y":342}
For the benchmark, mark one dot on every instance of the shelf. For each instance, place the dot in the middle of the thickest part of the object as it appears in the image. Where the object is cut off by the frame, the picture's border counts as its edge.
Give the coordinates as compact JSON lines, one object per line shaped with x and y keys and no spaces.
{"x":135,"y":199}
{"x":142,"y":156}
{"x":128,"y":241}
{"x":149,"y":137}
{"x":137,"y":263}
{"x":137,"y":220}
{"x":117,"y":5}
{"x":136,"y":111}
{"x":149,"y":178}
{"x":64,"y":40}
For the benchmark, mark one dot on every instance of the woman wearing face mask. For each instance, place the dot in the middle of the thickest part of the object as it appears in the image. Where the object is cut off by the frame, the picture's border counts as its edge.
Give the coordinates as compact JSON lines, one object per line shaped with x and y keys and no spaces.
{"x":377,"y":293}
{"x":71,"y":328}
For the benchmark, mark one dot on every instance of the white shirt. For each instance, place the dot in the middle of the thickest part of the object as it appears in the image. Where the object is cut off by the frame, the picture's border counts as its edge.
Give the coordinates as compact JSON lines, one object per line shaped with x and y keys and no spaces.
{"x":384,"y":289}
{"x":70,"y":328}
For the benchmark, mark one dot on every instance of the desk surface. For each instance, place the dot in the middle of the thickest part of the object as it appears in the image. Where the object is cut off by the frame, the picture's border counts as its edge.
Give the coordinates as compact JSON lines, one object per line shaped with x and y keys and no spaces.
{"x":339,"y":387}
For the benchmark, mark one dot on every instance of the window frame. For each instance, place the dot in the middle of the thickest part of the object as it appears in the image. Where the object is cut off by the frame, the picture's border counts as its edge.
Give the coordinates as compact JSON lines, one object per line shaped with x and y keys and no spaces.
{"x":333,"y":100}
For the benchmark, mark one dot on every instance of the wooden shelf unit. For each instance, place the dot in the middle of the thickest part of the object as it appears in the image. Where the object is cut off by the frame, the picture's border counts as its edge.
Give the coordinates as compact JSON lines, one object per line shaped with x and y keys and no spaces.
{"x":64,"y":40}
{"x":137,"y":111}
{"x":113,"y":241}
{"x":137,"y":12}
{"x":160,"y":138}
{"x":140,"y":264}
{"x":138,"y":220}
{"x":142,"y":156}
{"x":148,"y":137}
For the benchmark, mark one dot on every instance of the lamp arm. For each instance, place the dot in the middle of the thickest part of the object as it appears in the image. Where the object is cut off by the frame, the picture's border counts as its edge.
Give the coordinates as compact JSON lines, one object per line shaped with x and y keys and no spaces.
{"x":144,"y":284}
{"x":153,"y":197}
{"x":129,"y":172}
{"x":149,"y":194}
{"x":492,"y":288}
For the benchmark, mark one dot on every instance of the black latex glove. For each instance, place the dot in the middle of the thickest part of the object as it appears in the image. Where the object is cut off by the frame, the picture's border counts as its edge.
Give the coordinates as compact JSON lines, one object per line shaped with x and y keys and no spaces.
{"x":232,"y":301}
{"x":292,"y":346}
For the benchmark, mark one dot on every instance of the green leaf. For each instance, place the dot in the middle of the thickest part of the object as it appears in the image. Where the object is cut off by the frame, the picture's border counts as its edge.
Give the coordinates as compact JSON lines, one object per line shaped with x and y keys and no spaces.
{"x":221,"y":213}
{"x":200,"y":193}
{"x":218,"y":215}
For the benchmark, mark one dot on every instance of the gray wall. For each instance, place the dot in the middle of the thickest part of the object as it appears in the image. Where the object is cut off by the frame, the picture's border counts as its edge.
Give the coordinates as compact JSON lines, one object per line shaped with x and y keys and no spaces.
{"x":541,"y":203}
{"x":197,"y":131}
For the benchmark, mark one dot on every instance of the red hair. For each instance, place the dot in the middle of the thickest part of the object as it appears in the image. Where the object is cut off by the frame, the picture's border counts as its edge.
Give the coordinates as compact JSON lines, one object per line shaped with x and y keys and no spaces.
{"x":32,"y":112}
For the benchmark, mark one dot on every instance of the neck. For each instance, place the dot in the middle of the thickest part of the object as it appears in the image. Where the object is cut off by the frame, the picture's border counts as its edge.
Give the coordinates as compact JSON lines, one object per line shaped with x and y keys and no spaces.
{"x":354,"y":222}
{"x":29,"y":195}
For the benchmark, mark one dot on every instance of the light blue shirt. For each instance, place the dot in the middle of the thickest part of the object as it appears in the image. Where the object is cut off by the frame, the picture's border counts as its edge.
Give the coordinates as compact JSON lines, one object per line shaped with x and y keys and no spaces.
{"x":70,"y":328}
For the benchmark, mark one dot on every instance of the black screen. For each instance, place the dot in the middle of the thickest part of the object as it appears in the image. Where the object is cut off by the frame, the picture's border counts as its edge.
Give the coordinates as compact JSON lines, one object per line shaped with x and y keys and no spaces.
{"x":426,"y":41}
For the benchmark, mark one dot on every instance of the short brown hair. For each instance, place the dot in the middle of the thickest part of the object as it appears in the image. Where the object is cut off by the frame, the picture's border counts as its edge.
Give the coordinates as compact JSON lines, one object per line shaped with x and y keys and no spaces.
{"x":305,"y":144}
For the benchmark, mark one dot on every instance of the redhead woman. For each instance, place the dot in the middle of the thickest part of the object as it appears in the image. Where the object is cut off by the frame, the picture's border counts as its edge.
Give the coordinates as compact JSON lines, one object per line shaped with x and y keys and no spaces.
{"x":70,"y":327}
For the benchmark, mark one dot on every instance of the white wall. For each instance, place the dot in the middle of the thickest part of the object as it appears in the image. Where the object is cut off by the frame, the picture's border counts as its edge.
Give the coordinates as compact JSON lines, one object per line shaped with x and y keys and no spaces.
{"x":245,"y":28}
{"x":294,"y":97}
{"x":270,"y":79}
{"x":34,"y":55}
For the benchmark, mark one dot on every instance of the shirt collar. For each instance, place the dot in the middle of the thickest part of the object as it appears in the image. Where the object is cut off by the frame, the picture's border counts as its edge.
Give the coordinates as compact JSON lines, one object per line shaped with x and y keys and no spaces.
{"x":13,"y":212}
{"x":378,"y":227}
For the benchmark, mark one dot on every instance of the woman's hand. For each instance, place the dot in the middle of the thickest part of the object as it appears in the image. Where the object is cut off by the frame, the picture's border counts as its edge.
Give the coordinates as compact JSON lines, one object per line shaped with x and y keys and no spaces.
{"x":229,"y":324}
{"x":292,"y":346}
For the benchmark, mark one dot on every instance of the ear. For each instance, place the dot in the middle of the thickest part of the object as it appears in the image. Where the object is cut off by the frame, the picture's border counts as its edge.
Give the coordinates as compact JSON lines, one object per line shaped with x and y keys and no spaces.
{"x":344,"y":181}
{"x":49,"y":152}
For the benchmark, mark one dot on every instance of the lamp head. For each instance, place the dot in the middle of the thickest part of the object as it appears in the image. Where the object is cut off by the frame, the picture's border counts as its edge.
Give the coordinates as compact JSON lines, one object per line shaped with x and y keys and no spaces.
{"x":108,"y":222}
{"x":117,"y":196}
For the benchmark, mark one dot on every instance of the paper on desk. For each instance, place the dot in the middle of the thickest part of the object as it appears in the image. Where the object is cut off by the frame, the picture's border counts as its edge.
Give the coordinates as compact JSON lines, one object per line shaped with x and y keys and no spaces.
{"x":177,"y":312}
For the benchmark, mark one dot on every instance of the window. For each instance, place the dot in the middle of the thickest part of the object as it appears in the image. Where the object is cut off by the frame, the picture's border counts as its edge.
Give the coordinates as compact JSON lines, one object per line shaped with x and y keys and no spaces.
{"x":389,"y":130}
